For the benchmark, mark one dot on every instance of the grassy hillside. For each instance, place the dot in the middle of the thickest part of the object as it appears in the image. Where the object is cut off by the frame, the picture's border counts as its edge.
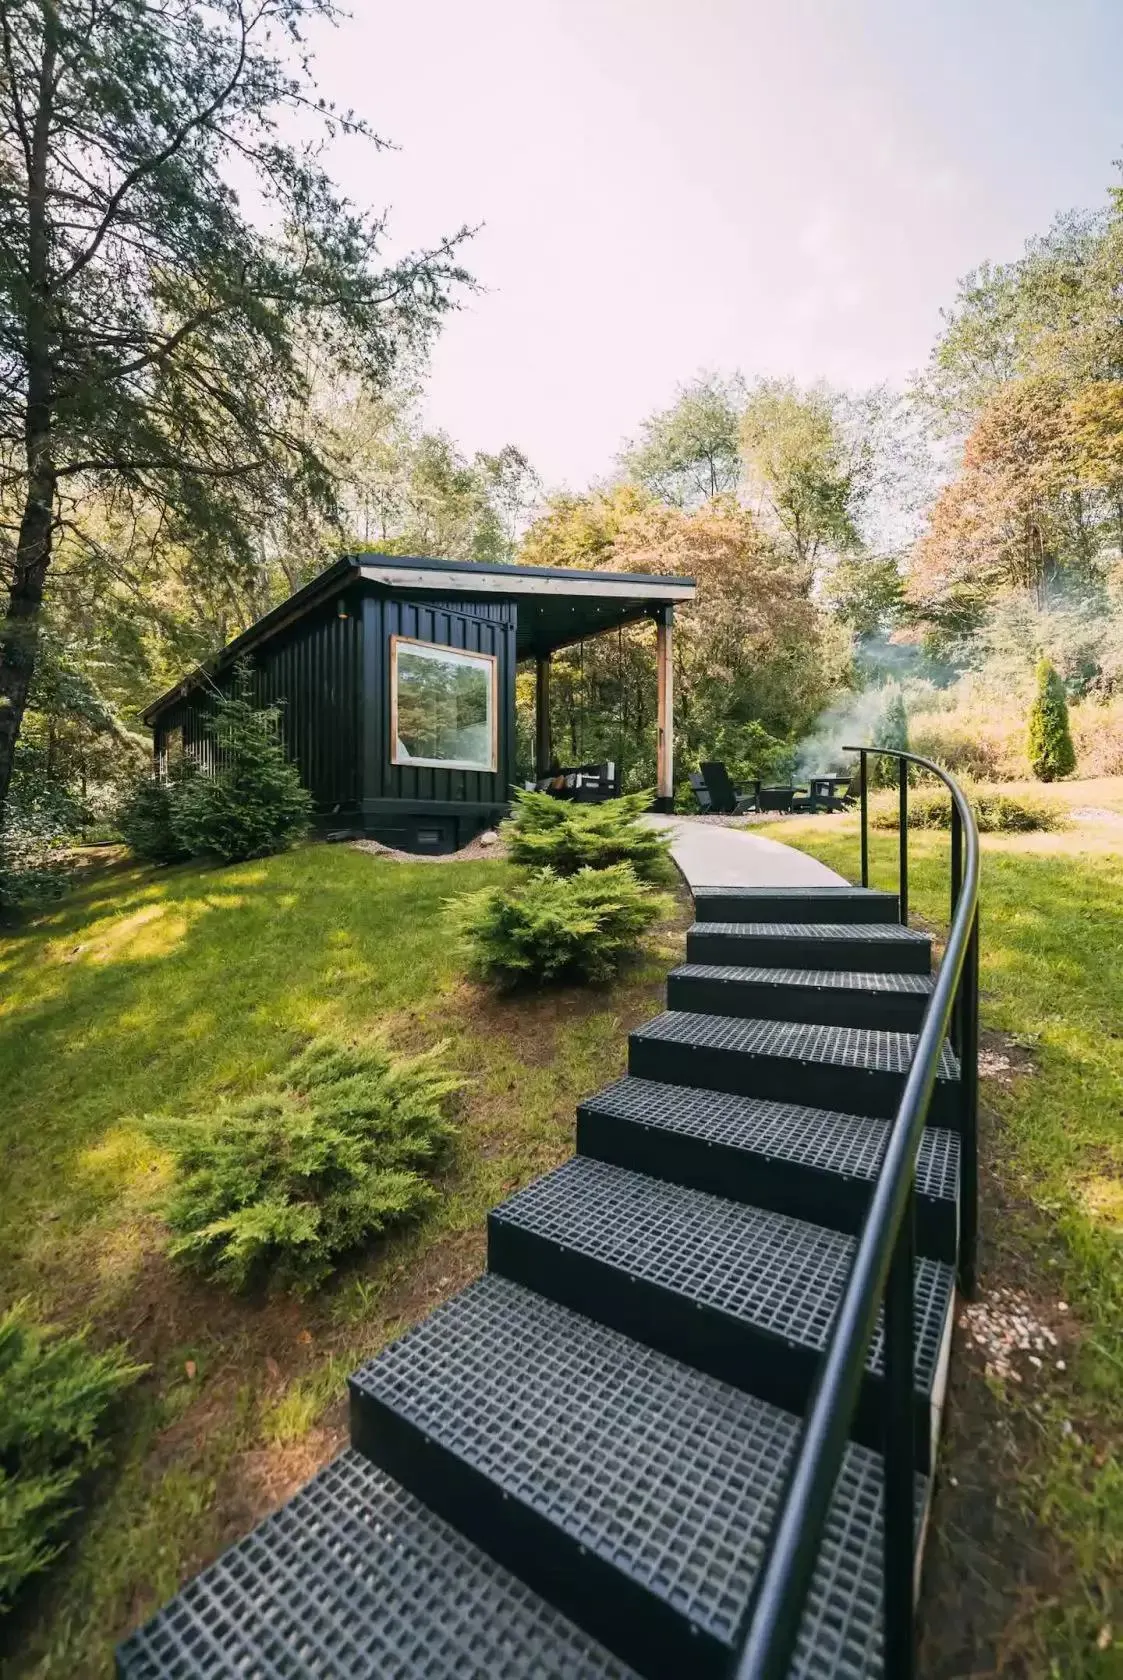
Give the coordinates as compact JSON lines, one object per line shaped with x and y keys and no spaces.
{"x":150,"y":991}
{"x":1026,"y":1558}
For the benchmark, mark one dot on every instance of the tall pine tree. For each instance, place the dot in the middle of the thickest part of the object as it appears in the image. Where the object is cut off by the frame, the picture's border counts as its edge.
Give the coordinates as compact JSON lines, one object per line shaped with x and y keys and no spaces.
{"x":156,"y":341}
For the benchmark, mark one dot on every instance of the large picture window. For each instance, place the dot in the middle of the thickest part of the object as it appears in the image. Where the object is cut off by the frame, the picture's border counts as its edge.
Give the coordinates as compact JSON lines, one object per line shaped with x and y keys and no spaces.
{"x":442,"y":706}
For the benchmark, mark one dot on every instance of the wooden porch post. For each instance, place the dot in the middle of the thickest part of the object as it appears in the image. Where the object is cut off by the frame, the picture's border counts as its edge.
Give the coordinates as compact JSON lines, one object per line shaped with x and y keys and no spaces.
{"x":665,"y":788}
{"x":543,"y":750}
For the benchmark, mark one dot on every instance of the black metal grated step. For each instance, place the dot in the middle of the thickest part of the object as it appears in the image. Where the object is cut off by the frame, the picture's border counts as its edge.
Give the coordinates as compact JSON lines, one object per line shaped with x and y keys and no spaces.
{"x":637,"y":1491}
{"x":840,"y":997}
{"x":743,"y":1292}
{"x":853,"y":1069}
{"x":861,"y":980}
{"x":838,"y":945}
{"x":790,"y":904}
{"x":888,"y":933}
{"x":810,"y":1162}
{"x":355,"y":1577}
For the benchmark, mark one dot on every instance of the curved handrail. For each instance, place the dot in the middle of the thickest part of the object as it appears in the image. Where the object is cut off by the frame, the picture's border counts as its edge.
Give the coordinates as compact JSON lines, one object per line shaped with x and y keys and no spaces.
{"x":771,"y":1623}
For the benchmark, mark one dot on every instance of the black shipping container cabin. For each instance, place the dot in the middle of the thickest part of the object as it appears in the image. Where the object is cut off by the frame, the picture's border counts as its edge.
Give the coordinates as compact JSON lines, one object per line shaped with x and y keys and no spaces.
{"x":397,"y":678}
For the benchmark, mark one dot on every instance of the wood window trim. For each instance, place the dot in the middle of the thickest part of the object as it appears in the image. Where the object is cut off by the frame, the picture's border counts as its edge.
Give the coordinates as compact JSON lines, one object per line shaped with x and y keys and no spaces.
{"x":491,"y":660}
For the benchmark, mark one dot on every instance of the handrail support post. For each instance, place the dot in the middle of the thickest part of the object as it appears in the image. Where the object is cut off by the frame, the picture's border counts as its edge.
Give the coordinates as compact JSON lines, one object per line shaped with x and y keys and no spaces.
{"x":899,"y":1520}
{"x":969,"y":1096}
{"x":903,"y":819}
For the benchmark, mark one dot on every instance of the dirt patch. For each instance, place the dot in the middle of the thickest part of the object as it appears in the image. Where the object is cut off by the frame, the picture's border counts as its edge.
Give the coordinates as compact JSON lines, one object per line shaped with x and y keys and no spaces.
{"x":1005,"y":1057}
{"x":265,"y":1476}
{"x":268,"y":1476}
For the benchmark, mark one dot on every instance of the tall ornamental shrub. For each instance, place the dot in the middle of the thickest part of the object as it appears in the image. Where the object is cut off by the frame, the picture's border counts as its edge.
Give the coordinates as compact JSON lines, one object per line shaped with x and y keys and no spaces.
{"x":1049,"y":745}
{"x":251,"y":801}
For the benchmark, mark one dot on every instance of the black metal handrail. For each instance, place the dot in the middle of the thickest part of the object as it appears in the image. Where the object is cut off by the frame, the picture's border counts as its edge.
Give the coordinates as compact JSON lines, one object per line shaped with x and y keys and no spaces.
{"x":882,"y":1270}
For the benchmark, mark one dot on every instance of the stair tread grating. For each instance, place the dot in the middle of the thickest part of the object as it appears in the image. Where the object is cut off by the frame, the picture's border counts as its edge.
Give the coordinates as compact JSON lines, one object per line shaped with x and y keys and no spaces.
{"x":356,"y":1576}
{"x":838,"y":979}
{"x":797,"y":894}
{"x":888,"y":932}
{"x":782,"y":1275}
{"x":814,"y":1137}
{"x":872,"y":1048}
{"x":669,"y":1474}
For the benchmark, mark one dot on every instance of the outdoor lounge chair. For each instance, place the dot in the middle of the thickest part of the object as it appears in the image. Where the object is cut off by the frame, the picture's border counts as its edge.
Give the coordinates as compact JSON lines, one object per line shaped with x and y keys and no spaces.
{"x":701,"y":792}
{"x":724,"y":796}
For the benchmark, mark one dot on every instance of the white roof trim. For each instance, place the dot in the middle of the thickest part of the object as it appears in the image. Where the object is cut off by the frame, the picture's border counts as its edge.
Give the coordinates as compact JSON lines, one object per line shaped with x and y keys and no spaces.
{"x":515,"y":583}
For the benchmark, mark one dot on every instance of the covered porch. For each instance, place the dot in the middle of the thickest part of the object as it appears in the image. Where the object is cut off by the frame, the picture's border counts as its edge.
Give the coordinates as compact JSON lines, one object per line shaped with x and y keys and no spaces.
{"x":558,"y":610}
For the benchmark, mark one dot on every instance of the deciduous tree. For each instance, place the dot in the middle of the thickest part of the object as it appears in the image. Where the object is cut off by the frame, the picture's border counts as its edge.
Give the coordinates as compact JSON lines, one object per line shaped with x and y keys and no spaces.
{"x":809,"y":480}
{"x":688,"y":453}
{"x":154,"y":333}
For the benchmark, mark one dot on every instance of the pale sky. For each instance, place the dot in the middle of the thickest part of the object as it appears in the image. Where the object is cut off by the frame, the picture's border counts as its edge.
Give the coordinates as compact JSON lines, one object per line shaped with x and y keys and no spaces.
{"x":669,"y":186}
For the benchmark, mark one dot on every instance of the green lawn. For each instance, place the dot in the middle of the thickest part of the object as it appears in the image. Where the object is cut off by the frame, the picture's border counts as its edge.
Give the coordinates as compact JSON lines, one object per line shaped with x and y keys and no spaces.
{"x":1026,"y":1564}
{"x":153,"y":991}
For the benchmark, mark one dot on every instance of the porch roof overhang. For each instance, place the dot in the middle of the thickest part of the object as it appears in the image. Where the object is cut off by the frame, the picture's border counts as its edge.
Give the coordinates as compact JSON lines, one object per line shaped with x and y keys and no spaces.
{"x":557,"y":606}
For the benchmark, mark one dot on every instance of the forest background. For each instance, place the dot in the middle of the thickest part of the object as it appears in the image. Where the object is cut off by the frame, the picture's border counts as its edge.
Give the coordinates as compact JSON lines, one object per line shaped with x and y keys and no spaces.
{"x":858,"y":552}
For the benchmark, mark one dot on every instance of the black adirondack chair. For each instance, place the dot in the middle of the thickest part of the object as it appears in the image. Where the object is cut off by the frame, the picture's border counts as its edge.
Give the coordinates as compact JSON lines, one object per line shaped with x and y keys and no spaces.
{"x":701,"y":792}
{"x":724,"y":796}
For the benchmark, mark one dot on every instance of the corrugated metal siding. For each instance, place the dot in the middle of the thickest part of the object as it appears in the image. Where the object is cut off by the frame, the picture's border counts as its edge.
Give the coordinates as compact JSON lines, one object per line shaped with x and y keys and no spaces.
{"x":332,"y":675}
{"x":474,"y":627}
{"x":313,"y":669}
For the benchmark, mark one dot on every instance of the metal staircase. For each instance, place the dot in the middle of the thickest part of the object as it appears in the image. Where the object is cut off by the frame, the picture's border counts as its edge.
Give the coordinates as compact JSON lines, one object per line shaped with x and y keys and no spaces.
{"x":663,"y":1434}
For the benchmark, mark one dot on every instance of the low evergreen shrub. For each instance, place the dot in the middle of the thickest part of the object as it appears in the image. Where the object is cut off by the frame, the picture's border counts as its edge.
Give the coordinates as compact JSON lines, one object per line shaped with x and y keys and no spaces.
{"x":146,"y":817}
{"x":1049,"y":743}
{"x":252,"y":802}
{"x":39,"y":821}
{"x":563,"y":836}
{"x":551,"y":928}
{"x":995,"y":813}
{"x":54,"y":1394}
{"x":273,"y":1189}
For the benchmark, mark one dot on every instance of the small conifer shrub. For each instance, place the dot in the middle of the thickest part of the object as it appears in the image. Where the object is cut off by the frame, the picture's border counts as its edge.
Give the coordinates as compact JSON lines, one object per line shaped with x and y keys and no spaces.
{"x":250,"y":802}
{"x":146,"y":817}
{"x":551,"y":928}
{"x":564,"y":836}
{"x":55,"y":1391}
{"x":272,"y":1189}
{"x":1049,"y":744}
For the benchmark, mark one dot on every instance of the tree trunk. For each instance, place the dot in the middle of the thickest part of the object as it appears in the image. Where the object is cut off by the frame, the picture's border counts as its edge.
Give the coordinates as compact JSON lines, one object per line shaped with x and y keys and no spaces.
{"x":19,"y":640}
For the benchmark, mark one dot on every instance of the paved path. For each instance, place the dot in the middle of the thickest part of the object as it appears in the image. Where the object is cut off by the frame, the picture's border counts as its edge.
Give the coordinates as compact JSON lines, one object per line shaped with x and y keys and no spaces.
{"x":712,"y":856}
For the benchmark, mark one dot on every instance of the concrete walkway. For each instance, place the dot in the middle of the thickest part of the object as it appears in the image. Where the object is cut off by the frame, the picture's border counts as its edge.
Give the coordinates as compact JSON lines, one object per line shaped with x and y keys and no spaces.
{"x":712,"y":856}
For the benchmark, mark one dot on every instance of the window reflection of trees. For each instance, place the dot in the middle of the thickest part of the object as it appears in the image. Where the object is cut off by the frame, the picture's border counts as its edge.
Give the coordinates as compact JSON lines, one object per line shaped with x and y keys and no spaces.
{"x":443,"y":708}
